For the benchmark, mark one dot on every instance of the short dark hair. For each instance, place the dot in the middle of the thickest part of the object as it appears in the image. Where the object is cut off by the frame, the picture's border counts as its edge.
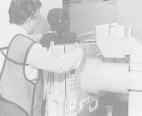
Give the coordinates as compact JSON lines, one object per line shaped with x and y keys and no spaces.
{"x":21,"y":10}
{"x":55,"y":13}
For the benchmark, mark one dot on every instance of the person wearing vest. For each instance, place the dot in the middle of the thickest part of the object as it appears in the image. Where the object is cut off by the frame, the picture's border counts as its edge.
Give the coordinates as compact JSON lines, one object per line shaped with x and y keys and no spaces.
{"x":23,"y":59}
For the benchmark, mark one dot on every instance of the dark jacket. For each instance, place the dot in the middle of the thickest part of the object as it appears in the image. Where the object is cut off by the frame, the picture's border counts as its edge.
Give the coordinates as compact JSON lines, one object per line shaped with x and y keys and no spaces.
{"x":67,"y":39}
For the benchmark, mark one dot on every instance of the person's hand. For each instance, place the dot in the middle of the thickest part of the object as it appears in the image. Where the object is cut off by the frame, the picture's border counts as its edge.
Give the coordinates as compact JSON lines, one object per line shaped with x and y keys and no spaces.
{"x":82,"y":64}
{"x":50,"y":50}
{"x":78,"y":45}
{"x":44,"y":33}
{"x":36,"y":37}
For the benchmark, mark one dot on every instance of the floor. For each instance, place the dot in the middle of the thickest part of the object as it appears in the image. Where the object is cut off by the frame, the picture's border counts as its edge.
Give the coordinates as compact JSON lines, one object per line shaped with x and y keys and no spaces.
{"x":119,"y":107}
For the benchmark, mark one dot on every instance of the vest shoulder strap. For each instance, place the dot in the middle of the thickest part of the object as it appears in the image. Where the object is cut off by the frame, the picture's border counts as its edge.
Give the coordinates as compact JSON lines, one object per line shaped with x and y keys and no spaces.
{"x":18,"y":49}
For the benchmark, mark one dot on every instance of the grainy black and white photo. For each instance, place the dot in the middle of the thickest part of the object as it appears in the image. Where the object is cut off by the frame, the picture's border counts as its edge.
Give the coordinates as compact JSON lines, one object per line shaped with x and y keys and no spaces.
{"x":70,"y":58}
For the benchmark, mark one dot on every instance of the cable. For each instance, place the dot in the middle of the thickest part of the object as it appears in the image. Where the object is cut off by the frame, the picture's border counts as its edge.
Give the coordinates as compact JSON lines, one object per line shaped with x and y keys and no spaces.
{"x":84,"y":35}
{"x":87,"y":33}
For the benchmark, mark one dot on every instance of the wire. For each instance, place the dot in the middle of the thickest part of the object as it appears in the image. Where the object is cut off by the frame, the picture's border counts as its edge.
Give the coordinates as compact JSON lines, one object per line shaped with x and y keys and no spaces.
{"x":79,"y":39}
{"x":87,"y":33}
{"x":84,"y":35}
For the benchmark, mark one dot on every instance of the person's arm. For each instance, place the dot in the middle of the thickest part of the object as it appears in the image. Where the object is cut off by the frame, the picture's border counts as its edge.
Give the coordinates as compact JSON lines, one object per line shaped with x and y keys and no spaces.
{"x":38,"y":36}
{"x":41,"y":58}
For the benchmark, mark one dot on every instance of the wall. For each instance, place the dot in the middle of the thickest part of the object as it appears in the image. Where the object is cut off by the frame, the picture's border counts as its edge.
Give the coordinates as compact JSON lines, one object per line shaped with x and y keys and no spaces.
{"x":4,"y":16}
{"x":129,"y":13}
{"x":49,"y":4}
{"x":46,"y":6}
{"x":84,"y":16}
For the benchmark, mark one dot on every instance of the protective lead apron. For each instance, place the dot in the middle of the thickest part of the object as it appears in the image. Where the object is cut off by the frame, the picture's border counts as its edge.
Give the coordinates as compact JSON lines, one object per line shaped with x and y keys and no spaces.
{"x":15,"y":86}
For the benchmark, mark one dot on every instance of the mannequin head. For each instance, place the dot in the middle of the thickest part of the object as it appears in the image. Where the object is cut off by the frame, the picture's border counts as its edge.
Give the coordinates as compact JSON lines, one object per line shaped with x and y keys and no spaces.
{"x":57,"y":18}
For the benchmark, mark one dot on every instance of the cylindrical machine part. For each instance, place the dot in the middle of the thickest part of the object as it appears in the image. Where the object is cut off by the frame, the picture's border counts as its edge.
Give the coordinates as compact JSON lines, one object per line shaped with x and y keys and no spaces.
{"x":100,"y":76}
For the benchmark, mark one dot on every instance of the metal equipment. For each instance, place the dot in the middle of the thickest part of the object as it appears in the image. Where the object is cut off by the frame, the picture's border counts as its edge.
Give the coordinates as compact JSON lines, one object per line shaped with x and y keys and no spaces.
{"x":74,"y":91}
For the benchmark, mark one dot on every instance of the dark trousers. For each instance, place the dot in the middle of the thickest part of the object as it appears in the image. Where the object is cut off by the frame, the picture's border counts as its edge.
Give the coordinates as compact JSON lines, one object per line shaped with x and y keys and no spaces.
{"x":7,"y":109}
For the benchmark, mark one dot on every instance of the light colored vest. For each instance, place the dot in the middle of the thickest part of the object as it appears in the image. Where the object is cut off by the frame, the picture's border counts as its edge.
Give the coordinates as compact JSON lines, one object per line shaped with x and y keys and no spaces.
{"x":15,"y":86}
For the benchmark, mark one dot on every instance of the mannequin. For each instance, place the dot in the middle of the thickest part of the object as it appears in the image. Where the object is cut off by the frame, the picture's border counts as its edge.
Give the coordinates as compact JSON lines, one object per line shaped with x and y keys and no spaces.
{"x":57,"y":19}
